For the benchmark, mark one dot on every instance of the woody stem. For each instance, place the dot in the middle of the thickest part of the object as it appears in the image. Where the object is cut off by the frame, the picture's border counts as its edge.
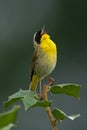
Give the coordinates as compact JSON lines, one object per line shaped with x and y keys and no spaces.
{"x":48,"y":109}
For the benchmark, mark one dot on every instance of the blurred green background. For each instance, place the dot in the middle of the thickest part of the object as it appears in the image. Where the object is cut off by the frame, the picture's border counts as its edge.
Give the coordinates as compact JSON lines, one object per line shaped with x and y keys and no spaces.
{"x":66,"y":22}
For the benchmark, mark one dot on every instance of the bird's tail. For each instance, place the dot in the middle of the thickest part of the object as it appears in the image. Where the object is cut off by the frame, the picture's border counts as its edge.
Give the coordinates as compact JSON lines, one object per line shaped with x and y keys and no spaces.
{"x":34,"y":83}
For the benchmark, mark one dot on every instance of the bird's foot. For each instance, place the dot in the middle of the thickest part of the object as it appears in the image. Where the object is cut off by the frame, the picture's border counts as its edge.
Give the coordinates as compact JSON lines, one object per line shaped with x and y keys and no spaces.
{"x":41,"y":96}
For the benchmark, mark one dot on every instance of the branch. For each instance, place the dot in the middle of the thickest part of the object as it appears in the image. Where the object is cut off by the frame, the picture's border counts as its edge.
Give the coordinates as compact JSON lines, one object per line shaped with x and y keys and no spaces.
{"x":48,"y":109}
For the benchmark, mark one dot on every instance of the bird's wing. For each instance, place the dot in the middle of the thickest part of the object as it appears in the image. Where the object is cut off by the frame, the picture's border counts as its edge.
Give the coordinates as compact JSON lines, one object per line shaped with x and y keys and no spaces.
{"x":34,"y":59}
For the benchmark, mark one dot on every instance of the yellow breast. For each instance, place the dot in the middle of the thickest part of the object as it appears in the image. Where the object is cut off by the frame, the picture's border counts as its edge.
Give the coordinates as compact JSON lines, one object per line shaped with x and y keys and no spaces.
{"x":48,"y":46}
{"x":49,"y":53}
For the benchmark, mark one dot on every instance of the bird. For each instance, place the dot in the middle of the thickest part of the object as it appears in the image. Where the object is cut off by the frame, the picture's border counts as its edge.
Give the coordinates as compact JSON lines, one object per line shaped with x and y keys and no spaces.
{"x":44,"y":58}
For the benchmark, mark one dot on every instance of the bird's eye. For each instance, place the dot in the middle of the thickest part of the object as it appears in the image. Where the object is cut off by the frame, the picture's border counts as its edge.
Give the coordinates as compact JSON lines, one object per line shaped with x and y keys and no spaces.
{"x":37,"y":36}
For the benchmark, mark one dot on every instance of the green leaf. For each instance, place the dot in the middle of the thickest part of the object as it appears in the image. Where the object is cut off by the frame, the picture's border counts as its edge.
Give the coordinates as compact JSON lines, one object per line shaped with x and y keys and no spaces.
{"x":10,"y":102}
{"x":20,"y":94}
{"x":8,"y":127}
{"x":9,"y":117}
{"x":15,"y":97}
{"x":43,"y":103}
{"x":60,"y":115}
{"x":29,"y":102}
{"x":28,"y":98}
{"x":69,"y":89}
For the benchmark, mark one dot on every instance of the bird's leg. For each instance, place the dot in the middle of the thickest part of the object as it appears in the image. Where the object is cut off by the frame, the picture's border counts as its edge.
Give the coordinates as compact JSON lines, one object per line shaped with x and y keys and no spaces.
{"x":41,"y":94}
{"x":40,"y":87}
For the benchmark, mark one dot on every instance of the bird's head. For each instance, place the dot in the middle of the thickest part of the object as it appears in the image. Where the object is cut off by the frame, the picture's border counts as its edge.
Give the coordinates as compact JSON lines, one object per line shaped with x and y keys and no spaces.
{"x":38,"y":35}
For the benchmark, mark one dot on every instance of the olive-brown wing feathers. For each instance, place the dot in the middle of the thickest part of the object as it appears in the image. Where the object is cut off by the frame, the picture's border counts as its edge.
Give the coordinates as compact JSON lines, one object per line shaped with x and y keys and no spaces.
{"x":33,"y":64}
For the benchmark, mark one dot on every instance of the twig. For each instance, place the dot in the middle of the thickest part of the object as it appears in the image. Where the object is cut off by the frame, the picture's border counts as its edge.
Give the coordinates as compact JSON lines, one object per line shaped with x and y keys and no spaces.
{"x":48,"y":109}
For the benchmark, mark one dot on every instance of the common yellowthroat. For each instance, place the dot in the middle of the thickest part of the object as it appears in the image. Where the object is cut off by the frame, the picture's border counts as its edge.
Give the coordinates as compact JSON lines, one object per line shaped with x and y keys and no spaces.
{"x":44,"y":58}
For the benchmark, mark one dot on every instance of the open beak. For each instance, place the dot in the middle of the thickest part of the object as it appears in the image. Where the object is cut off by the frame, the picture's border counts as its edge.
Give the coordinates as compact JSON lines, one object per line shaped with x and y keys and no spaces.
{"x":43,"y":30}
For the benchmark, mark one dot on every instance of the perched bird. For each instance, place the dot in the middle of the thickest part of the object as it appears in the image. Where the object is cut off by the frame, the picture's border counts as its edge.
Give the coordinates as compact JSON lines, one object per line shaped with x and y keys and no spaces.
{"x":44,"y":58}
